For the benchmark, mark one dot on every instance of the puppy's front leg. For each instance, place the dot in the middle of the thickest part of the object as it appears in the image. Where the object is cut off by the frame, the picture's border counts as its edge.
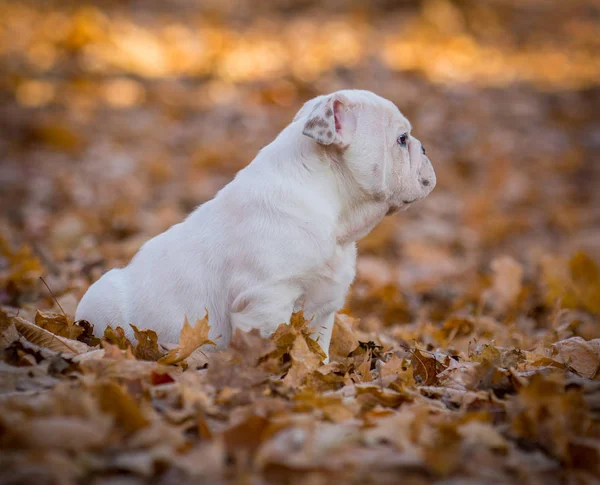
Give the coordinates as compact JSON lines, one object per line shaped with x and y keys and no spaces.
{"x":327,"y":294}
{"x":322,"y":327}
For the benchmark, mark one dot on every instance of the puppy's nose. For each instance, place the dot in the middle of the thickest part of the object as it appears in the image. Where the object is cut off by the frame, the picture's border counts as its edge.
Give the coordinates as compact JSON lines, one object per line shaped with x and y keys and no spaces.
{"x":425,"y":182}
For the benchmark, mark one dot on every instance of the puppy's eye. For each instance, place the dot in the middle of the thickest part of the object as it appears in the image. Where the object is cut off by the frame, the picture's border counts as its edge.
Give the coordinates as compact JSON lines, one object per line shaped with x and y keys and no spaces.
{"x":402,"y":139}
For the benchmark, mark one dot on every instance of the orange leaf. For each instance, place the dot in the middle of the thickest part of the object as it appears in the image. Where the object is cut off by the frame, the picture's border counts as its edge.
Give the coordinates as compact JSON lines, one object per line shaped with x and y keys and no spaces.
{"x":190,"y":339}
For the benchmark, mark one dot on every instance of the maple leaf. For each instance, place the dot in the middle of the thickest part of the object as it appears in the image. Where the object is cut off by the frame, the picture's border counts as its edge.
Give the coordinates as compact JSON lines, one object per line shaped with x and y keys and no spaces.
{"x":190,"y":339}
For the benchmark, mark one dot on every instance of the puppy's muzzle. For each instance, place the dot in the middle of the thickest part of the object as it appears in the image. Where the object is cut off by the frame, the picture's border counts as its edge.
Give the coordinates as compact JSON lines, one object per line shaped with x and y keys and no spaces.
{"x":427,"y":177}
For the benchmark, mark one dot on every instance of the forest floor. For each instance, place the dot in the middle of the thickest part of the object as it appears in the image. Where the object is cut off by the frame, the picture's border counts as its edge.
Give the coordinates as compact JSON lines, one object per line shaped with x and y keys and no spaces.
{"x":469,"y":347}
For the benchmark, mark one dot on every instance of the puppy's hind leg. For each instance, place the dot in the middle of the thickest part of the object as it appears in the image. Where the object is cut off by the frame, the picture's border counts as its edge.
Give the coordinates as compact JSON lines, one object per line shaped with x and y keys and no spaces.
{"x":104,"y":304}
{"x":263,"y":308}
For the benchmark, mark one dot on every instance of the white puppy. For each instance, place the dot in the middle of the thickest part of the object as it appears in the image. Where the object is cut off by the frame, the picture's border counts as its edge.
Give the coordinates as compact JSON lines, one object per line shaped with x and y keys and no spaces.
{"x":281,"y":236}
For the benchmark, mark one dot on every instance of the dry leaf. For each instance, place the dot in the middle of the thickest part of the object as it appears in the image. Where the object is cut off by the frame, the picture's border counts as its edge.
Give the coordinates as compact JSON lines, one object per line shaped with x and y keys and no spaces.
{"x":425,"y":367}
{"x":46,"y":339}
{"x":59,"y":324}
{"x":582,"y":356}
{"x":506,"y":283}
{"x":304,"y":361}
{"x":576,"y":284}
{"x":548,"y":413}
{"x":147,"y":345}
{"x":586,"y":280}
{"x":190,"y":339}
{"x":343,"y":340}
{"x":115,"y":401}
{"x":23,"y":265}
{"x":117,"y":337}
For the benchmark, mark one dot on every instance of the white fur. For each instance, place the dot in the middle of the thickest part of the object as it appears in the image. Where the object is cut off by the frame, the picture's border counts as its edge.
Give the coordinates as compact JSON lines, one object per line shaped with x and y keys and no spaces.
{"x":280,"y":236}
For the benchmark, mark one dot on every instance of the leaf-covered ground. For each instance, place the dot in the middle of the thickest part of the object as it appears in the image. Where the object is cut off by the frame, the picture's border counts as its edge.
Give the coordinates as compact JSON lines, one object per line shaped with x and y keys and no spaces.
{"x":469,"y":347}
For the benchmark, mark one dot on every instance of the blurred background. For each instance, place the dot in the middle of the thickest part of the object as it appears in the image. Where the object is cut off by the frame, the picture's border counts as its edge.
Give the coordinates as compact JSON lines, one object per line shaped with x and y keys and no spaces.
{"x":119,"y":117}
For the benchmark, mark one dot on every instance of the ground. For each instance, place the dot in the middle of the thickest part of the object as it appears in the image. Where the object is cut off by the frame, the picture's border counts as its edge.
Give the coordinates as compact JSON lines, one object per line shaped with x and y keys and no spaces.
{"x":469,"y":347}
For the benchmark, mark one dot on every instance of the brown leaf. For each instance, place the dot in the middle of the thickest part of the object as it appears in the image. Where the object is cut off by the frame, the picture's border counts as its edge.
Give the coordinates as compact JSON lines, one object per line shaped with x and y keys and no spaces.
{"x":247,"y":435}
{"x":59,"y":324}
{"x":370,"y":395}
{"x":69,"y":433}
{"x":114,"y":352}
{"x":582,"y":356}
{"x":506,"y":283}
{"x":117,"y":337}
{"x":190,"y":339}
{"x":23,"y":265}
{"x":113,"y":399}
{"x":285,"y":338}
{"x":327,"y":377}
{"x":394,"y":366}
{"x":87,"y":335}
{"x":330,"y":405}
{"x":550,"y":415}
{"x":304,"y":361}
{"x":147,"y":345}
{"x":251,"y":346}
{"x":425,"y":367}
{"x":364,"y":370}
{"x":576,"y":284}
{"x":8,"y":331}
{"x":586,"y":279}
{"x":343,"y":340}
{"x":44,"y":338}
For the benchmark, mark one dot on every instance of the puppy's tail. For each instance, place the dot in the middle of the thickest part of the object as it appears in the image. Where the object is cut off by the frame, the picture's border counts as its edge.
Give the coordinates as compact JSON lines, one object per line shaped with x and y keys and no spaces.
{"x":104,"y":304}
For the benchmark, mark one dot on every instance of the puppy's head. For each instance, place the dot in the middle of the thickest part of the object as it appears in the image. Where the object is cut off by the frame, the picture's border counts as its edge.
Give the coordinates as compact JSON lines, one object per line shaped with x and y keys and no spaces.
{"x":369,"y":137}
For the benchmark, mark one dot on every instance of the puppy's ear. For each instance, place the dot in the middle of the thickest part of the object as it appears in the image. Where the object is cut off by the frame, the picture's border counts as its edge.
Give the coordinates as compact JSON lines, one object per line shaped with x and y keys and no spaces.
{"x":331,"y":122}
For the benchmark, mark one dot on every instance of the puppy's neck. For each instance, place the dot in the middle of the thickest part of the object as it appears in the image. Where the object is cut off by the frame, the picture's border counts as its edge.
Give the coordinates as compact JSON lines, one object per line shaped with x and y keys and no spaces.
{"x":358,"y":212}
{"x":327,"y":184}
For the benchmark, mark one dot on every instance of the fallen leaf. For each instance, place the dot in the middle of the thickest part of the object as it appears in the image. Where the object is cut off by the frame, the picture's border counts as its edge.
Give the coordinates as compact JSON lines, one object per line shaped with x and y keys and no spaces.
{"x":247,"y":435}
{"x":370,"y":395}
{"x":304,"y":361}
{"x":545,"y":412}
{"x":23,"y":266}
{"x":117,"y":337}
{"x":506,"y":283}
{"x":576,"y":284}
{"x":586,"y":279}
{"x":114,"y":400}
{"x":147,"y":345}
{"x":343,"y":340}
{"x":425,"y":367}
{"x":190,"y":339}
{"x":46,"y":339}
{"x":330,"y":405}
{"x":581,"y":355}
{"x":87,"y":335}
{"x":59,"y":324}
